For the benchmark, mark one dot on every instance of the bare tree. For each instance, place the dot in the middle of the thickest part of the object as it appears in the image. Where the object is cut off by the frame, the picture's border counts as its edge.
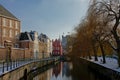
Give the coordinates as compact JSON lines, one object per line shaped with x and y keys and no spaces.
{"x":111,"y":8}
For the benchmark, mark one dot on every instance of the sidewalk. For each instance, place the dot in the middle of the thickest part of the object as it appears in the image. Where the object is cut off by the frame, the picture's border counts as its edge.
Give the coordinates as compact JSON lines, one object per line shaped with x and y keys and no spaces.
{"x":4,"y":67}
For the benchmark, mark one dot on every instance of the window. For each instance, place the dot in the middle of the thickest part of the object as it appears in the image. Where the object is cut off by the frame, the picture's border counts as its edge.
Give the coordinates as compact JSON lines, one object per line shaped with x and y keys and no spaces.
{"x":4,"y":32}
{"x":10,"y":23}
{"x":16,"y":46}
{"x":16,"y":24}
{"x":10,"y":33}
{"x":16,"y":33}
{"x":4,"y":22}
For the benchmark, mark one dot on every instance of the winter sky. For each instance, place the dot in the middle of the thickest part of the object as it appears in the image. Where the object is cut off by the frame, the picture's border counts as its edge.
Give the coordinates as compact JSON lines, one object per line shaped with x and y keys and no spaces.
{"x":52,"y":17}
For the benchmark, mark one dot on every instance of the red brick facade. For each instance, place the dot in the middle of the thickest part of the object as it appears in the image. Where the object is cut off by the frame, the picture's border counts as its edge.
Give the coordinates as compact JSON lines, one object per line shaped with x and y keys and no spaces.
{"x":57,"y":48}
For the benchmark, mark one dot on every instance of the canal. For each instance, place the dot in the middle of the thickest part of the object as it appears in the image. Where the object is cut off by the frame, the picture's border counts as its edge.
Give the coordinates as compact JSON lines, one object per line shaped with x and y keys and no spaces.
{"x":66,"y":71}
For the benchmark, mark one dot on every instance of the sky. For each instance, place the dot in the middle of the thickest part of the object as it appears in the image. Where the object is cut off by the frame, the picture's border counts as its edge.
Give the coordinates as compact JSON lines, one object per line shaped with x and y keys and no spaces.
{"x":51,"y":17}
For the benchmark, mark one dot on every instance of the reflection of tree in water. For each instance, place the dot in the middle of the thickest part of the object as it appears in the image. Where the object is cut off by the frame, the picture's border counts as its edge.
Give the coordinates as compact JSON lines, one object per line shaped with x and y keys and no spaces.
{"x":81,"y":71}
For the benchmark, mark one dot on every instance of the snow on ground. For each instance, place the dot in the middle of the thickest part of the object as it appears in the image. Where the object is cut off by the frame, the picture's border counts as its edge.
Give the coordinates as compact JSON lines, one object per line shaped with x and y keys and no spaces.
{"x":111,"y":63}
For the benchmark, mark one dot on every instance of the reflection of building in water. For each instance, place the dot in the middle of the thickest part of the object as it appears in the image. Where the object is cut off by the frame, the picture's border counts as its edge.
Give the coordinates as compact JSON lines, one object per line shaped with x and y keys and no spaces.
{"x":66,"y":71}
{"x":49,"y":74}
{"x":61,"y":71}
{"x":56,"y":70}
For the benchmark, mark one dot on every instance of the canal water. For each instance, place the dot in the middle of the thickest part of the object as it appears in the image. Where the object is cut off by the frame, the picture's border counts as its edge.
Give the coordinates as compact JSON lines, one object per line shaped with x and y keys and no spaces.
{"x":66,"y":71}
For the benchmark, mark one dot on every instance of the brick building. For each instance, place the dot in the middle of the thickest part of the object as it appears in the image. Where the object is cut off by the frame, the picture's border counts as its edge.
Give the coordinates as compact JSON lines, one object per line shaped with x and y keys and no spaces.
{"x":57,"y":47}
{"x":37,"y":46}
{"x":42,"y":49}
{"x":25,"y":41}
{"x":48,"y":44}
{"x":9,"y":27}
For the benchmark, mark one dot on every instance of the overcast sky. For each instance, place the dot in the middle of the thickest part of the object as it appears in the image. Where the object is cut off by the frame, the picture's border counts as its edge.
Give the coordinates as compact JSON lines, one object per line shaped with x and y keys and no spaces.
{"x":52,"y":17}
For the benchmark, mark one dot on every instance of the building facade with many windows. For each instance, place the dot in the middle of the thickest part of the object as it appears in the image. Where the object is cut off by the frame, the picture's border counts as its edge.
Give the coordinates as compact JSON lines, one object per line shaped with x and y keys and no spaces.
{"x":9,"y":27}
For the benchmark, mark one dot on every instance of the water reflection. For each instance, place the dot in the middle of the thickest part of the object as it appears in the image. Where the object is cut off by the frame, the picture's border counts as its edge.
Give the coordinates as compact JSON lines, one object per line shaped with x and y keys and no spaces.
{"x":66,"y":71}
{"x":59,"y":72}
{"x":81,"y":71}
{"x":56,"y":70}
{"x":69,"y":71}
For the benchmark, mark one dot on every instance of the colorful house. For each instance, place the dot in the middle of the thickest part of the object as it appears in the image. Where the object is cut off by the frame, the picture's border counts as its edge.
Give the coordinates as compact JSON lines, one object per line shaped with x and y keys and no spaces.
{"x":57,"y":47}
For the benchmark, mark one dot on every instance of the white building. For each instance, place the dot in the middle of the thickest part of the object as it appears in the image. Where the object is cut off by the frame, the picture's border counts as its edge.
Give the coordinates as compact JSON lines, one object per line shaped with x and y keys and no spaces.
{"x":34,"y":36}
{"x":64,"y":44}
{"x":47,"y":40}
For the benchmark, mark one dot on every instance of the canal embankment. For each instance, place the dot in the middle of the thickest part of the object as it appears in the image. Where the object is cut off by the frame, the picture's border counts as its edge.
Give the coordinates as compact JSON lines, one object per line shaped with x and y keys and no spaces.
{"x":24,"y":69}
{"x":109,"y":70}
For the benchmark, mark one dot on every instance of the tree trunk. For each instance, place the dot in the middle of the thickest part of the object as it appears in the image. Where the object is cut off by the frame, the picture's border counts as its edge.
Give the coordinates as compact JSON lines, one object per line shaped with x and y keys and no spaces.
{"x":118,"y":45}
{"x":117,"y":39}
{"x":103,"y":52}
{"x":95,"y":52}
{"x":89,"y":55}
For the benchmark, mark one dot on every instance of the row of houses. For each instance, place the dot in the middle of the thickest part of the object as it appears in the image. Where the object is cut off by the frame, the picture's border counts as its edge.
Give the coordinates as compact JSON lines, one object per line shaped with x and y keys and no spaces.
{"x":16,"y":44}
{"x":39,"y":45}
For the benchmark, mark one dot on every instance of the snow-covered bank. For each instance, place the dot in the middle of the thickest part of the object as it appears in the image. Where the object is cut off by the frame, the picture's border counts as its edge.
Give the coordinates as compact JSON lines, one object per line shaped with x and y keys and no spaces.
{"x":110,"y":69}
{"x":111,"y":63}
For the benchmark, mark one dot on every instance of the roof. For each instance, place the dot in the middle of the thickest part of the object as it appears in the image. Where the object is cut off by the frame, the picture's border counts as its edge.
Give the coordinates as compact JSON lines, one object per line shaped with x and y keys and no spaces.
{"x":43,"y":36}
{"x":32,"y":35}
{"x":6,"y":13}
{"x":25,"y":36}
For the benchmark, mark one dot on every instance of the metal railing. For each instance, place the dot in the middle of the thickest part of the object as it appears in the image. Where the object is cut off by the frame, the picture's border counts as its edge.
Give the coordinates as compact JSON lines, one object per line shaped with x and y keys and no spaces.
{"x":11,"y":65}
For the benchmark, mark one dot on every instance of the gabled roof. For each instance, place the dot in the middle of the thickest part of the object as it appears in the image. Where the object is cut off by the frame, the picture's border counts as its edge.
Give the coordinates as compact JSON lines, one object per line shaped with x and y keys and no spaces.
{"x":6,"y":13}
{"x":43,"y":36}
{"x":32,"y":35}
{"x":25,"y":36}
